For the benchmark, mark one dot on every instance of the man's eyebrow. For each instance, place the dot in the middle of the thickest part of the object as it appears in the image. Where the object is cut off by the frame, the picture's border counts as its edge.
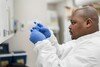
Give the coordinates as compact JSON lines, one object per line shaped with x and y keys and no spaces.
{"x":71,"y":20}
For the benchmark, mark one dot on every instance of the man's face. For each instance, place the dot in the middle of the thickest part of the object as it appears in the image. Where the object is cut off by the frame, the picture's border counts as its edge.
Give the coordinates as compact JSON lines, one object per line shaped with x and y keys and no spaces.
{"x":77,"y":27}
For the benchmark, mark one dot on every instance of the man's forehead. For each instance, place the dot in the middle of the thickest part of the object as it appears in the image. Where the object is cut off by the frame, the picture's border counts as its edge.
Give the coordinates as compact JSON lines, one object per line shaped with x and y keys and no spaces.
{"x":76,"y":14}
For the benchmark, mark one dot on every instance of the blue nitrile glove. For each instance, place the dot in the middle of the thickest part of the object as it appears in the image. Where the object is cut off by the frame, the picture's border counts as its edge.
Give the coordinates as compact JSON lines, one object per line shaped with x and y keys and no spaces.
{"x":42,"y":29}
{"x":38,"y":26}
{"x":36,"y":36}
{"x":45,"y":31}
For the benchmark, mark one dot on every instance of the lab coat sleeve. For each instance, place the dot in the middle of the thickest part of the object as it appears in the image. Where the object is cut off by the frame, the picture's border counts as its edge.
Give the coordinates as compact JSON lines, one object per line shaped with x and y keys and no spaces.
{"x":61,"y":50}
{"x":47,"y":54}
{"x":85,"y":55}
{"x":53,"y":39}
{"x":54,"y":43}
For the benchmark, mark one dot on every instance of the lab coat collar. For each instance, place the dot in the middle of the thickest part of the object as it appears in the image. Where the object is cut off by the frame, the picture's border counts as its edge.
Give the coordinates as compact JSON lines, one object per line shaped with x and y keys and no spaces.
{"x":89,"y":36}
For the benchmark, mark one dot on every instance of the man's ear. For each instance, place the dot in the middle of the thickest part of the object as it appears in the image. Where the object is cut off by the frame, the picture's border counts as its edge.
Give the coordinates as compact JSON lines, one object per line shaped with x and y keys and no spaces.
{"x":89,"y":22}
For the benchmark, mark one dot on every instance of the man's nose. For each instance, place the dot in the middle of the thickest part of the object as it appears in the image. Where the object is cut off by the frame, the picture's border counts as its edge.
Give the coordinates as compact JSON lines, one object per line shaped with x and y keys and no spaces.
{"x":69,"y":26}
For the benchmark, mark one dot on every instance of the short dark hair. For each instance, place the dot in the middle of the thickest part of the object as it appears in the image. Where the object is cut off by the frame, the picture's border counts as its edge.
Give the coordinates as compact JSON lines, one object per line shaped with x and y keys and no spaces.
{"x":89,"y":12}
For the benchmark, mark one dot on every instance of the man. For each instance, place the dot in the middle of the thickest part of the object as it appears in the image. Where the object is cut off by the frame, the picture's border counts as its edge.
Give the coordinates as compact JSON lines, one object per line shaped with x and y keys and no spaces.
{"x":82,"y":51}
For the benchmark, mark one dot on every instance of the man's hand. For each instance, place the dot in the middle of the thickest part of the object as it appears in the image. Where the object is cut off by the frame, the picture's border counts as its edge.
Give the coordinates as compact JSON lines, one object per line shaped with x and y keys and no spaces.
{"x":36,"y":36}
{"x":41,"y":28}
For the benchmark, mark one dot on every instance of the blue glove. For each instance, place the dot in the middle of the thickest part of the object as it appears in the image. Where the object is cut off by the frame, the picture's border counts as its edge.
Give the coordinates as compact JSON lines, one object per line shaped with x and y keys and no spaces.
{"x":36,"y":36}
{"x":45,"y":31}
{"x":42,"y":29}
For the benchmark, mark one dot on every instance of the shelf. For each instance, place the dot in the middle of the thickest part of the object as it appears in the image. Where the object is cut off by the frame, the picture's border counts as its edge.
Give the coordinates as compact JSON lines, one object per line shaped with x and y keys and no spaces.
{"x":5,"y":55}
{"x":2,"y":39}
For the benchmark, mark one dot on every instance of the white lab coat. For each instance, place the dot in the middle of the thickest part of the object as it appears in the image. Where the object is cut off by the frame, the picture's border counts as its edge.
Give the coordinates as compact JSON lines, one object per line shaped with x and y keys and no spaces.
{"x":82,"y":52}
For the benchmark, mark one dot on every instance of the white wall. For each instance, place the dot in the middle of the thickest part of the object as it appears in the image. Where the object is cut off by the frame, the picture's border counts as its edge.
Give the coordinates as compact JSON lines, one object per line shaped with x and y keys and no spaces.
{"x":64,"y":20}
{"x":85,"y":2}
{"x":25,"y":11}
{"x":99,"y":22}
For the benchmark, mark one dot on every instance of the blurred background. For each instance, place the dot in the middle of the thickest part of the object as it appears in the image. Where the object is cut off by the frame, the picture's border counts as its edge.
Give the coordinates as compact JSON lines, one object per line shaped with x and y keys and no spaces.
{"x":17,"y":17}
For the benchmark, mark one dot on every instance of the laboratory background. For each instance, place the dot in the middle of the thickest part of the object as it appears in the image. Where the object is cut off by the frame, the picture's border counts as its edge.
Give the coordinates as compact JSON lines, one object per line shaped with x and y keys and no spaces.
{"x":16,"y":20}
